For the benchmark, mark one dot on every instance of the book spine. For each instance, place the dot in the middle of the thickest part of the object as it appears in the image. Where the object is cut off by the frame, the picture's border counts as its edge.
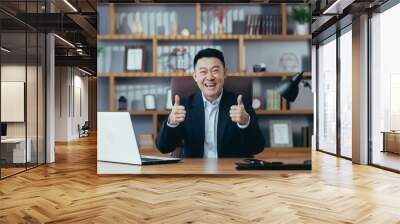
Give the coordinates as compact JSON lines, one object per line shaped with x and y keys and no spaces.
{"x":229,"y":22}
{"x":192,"y":54}
{"x":166,"y":23}
{"x":159,"y":59}
{"x":158,"y":24}
{"x":279,"y":24}
{"x":278,"y":100}
{"x":145,"y":23}
{"x":203,"y":22}
{"x":150,"y":22}
{"x":248,"y":24}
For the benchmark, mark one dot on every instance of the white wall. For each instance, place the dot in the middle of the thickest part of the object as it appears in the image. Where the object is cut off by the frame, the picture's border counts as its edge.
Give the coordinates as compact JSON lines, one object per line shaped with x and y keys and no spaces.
{"x":13,"y":73}
{"x":71,"y":102}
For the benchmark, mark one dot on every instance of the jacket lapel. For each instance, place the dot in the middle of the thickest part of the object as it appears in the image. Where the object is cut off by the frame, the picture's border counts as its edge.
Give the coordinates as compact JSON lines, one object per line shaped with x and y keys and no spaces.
{"x":198,"y":119}
{"x":223,"y":118}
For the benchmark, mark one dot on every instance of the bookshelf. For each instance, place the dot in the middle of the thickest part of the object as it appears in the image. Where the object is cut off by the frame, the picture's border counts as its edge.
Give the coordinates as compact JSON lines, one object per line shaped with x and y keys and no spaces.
{"x":182,"y":74}
{"x":236,"y":37}
{"x":238,"y":50}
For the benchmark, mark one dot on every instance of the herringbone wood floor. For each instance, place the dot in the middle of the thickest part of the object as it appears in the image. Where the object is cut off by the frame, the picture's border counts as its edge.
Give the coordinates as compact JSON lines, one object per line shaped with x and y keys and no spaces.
{"x":69,"y":191}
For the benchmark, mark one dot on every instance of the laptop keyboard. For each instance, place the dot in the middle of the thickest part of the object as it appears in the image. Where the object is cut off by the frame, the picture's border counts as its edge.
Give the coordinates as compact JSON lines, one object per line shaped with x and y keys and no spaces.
{"x":146,"y":159}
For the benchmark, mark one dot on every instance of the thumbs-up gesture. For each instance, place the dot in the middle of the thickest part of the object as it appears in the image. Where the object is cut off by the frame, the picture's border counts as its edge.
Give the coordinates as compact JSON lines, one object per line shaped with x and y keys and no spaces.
{"x":178,"y":112}
{"x":237,"y":113}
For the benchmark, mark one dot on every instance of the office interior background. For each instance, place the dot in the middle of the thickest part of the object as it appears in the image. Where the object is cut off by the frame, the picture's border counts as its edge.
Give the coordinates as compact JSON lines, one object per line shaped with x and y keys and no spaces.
{"x":39,"y":108}
{"x":53,"y":80}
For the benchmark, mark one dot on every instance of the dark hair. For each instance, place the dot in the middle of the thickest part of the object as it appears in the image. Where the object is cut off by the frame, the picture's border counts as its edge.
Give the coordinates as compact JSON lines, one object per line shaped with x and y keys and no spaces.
{"x":209,"y":53}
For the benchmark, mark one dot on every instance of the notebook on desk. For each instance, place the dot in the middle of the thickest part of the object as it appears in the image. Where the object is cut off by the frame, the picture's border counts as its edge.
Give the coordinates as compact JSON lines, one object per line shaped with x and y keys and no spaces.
{"x":116,"y":141}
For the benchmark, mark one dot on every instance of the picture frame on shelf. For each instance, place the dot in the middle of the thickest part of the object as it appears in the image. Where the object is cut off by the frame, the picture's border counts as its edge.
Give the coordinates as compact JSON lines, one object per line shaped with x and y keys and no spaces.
{"x":135,"y":58}
{"x":149,"y":102}
{"x":281,"y":134}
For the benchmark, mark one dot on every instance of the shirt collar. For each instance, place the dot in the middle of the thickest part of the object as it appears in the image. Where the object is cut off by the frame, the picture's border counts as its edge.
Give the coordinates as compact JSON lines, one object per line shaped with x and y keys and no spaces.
{"x":214,"y":102}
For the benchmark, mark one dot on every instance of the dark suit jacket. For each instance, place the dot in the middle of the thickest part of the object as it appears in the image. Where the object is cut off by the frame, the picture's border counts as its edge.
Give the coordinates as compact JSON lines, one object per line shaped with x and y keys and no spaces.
{"x":231,"y":140}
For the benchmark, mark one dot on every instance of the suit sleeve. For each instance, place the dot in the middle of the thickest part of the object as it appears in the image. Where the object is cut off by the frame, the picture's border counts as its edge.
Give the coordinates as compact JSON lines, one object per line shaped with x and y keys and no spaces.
{"x":251,"y":137}
{"x":168,"y":138}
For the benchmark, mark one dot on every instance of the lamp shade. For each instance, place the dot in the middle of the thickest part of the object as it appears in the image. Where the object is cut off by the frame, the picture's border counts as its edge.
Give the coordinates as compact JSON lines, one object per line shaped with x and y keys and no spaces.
{"x":289,"y":88}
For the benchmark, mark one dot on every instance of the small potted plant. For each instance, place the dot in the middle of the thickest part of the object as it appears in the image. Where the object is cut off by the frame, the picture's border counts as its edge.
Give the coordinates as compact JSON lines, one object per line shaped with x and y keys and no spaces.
{"x":302,"y":17}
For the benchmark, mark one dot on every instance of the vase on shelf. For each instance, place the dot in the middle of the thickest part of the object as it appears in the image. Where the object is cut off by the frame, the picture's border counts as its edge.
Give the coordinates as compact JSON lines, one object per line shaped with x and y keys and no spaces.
{"x":301,"y":29}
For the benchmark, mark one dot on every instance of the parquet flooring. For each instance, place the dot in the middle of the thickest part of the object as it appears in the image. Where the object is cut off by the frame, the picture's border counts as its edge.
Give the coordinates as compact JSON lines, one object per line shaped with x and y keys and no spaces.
{"x":70,"y":191}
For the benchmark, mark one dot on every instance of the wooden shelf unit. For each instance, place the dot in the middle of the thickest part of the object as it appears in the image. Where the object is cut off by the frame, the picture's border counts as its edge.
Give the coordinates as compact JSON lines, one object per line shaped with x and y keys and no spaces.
{"x":239,"y":38}
{"x":183,"y":74}
{"x":202,"y":37}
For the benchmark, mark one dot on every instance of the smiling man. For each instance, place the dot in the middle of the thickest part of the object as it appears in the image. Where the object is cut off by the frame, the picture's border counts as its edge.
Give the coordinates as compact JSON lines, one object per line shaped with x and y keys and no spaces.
{"x":213,"y":122}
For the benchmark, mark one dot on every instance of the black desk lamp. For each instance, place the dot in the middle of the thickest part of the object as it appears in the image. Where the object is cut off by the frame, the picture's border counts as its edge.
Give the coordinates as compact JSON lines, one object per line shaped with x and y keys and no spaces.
{"x":289,"y":88}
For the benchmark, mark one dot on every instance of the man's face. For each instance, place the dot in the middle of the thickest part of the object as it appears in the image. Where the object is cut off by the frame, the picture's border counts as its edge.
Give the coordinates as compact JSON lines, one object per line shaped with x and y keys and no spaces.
{"x":209,"y":75}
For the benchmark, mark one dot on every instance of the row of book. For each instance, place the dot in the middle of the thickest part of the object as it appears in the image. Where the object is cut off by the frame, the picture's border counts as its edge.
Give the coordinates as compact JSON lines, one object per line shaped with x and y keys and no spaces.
{"x":272,"y":100}
{"x":147,"y":22}
{"x":263,"y":24}
{"x":166,"y":23}
{"x":112,"y":57}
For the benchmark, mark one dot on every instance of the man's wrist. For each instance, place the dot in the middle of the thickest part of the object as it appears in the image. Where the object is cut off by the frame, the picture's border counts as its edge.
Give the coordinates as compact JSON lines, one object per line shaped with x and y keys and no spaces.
{"x":169,"y":124}
{"x":242,"y":126}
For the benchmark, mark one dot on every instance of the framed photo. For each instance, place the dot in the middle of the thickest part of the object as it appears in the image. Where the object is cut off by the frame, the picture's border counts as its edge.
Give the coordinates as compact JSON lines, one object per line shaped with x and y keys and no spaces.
{"x":149,"y":102}
{"x":134,"y":58}
{"x":281,"y":134}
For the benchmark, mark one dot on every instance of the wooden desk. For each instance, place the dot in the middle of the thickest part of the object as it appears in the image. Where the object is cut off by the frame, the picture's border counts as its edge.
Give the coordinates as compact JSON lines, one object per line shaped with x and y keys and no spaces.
{"x":200,"y":166}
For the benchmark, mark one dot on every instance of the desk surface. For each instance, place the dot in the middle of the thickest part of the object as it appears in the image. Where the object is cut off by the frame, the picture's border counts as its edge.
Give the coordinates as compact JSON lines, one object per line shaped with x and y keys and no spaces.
{"x":199,"y":166}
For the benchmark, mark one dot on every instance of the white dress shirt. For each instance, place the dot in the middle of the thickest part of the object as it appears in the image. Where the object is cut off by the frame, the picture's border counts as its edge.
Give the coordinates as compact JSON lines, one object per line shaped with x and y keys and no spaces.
{"x":211,"y":110}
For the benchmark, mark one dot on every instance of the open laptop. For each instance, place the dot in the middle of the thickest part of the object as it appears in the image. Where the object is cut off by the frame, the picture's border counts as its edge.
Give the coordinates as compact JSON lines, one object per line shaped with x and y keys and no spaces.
{"x":116,"y":141}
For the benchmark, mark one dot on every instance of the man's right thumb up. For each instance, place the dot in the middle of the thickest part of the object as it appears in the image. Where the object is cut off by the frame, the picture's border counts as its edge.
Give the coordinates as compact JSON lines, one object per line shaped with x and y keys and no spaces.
{"x":177,"y":100}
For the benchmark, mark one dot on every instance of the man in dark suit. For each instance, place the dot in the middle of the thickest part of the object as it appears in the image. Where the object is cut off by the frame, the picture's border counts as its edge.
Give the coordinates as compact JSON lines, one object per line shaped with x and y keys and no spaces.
{"x":213,"y":122}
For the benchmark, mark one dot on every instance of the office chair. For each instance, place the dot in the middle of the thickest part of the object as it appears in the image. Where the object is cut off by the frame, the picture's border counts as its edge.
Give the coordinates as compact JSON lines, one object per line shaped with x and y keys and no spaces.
{"x":186,"y":86}
{"x":84,"y":129}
